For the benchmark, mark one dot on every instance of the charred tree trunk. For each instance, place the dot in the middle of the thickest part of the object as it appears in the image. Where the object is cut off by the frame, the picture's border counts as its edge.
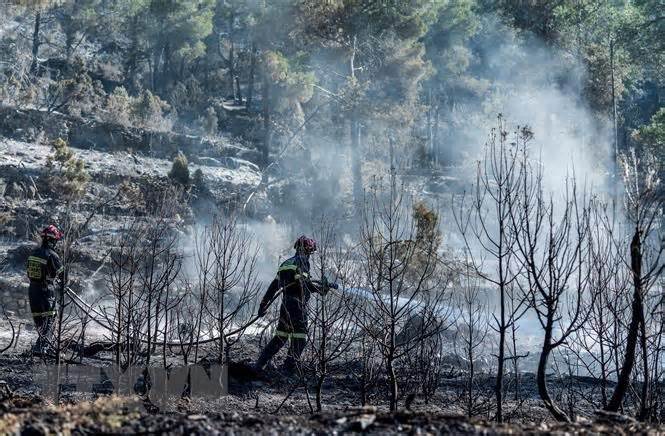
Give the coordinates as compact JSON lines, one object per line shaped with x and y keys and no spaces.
{"x":250,"y":82}
{"x":267,"y":128}
{"x":238,"y":92}
{"x":644,"y":395}
{"x":471,"y":379}
{"x":355,"y":139}
{"x":623,"y":381}
{"x":392,"y":380}
{"x":34,"y":67}
{"x":429,"y":155}
{"x":132,"y":58}
{"x":363,"y":390}
{"x":319,"y":387}
{"x":232,"y":69}
{"x":355,"y":156}
{"x":70,"y":35}
{"x":435,"y":135}
{"x":498,"y":388}
{"x":323,"y":363}
{"x":541,"y":377}
{"x":602,"y":350}
{"x":166,"y":68}
{"x":155,"y":69}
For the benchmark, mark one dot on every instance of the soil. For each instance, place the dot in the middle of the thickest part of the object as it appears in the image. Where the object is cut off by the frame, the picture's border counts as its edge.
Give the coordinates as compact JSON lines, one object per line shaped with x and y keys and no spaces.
{"x":269,"y":402}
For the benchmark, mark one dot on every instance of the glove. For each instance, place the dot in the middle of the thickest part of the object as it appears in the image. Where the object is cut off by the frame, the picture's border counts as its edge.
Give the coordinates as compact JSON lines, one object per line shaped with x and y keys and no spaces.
{"x":326,"y":285}
{"x":330,"y":285}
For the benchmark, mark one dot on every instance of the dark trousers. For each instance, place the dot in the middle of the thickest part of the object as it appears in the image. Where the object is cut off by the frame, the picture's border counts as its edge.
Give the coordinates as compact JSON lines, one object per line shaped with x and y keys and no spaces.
{"x":42,"y":306}
{"x":296,"y":348}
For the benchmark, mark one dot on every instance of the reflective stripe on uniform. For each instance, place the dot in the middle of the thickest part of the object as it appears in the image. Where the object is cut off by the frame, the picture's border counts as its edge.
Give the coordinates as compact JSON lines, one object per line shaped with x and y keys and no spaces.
{"x":287,"y":268}
{"x":47,"y":313}
{"x":284,"y":334}
{"x":303,"y":275}
{"x":35,"y":266}
{"x":37,"y":259}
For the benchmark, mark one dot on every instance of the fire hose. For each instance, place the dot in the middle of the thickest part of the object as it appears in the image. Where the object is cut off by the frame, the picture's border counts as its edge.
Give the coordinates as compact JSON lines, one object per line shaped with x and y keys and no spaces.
{"x":90,"y":311}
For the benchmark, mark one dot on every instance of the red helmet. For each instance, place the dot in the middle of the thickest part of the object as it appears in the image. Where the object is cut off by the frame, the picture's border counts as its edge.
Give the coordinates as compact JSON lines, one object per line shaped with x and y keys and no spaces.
{"x":52,"y":232}
{"x":305,"y":245}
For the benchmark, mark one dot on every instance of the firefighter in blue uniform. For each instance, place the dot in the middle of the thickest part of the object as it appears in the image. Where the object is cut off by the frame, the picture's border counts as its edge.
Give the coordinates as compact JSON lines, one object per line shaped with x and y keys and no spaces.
{"x":294,"y":280}
{"x":43,"y":268}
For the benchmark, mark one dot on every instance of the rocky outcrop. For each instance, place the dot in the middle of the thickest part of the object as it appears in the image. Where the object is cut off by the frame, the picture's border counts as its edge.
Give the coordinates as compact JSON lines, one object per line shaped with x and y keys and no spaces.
{"x":24,"y":163}
{"x":29,"y":125}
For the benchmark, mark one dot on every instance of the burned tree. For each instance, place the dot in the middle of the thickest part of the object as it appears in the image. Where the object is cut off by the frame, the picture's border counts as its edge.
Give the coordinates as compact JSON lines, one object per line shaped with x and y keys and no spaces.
{"x":233,"y":286}
{"x":332,"y":329}
{"x":472,"y":329}
{"x":551,"y":236}
{"x":404,"y":280}
{"x":487,"y":230}
{"x":598,"y":343}
{"x":368,"y":354}
{"x":643,"y":208}
{"x":122,"y":282}
{"x":159,"y":268}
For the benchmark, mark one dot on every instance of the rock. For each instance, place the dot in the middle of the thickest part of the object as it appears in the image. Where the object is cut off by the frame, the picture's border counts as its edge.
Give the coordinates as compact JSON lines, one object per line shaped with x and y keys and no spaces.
{"x":208,"y":161}
{"x":235,"y":163}
{"x":103,"y":136}
{"x":13,"y":122}
{"x":16,"y":190}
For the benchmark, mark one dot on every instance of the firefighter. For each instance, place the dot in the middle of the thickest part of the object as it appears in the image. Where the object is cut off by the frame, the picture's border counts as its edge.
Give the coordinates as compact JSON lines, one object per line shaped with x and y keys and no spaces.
{"x":43,"y":268}
{"x":296,"y":285}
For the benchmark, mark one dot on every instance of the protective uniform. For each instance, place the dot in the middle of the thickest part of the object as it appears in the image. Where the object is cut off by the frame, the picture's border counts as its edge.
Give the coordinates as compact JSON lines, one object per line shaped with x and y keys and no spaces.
{"x":294,"y":280}
{"x":43,"y":267}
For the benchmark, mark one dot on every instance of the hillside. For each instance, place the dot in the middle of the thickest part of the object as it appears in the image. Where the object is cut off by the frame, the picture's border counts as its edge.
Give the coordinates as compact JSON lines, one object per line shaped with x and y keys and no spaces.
{"x":322,"y":217}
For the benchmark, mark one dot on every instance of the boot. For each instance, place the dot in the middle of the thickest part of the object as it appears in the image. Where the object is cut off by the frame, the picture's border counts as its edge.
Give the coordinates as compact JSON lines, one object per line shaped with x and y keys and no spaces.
{"x":269,"y":351}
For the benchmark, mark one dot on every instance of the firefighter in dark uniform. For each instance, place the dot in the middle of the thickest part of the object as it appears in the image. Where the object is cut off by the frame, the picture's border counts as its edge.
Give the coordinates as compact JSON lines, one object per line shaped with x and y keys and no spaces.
{"x":296,"y":285}
{"x":43,"y":267}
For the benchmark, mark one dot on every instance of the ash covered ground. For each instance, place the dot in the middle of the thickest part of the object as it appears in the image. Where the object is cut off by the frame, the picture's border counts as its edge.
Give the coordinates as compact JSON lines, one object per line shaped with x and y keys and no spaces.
{"x":273,"y":402}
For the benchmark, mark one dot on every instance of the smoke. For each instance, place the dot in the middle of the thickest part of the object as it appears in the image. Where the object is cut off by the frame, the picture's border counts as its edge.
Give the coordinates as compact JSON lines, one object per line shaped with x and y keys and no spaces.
{"x":536,"y":85}
{"x":525,"y":80}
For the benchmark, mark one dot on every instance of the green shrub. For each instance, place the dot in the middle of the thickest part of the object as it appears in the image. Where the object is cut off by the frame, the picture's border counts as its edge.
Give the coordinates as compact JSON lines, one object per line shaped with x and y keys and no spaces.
{"x":428,"y":235}
{"x":62,"y":153}
{"x":180,"y":170}
{"x":652,"y":135}
{"x":67,"y":175}
{"x":188,"y":96}
{"x":118,"y":107}
{"x":149,"y":110}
